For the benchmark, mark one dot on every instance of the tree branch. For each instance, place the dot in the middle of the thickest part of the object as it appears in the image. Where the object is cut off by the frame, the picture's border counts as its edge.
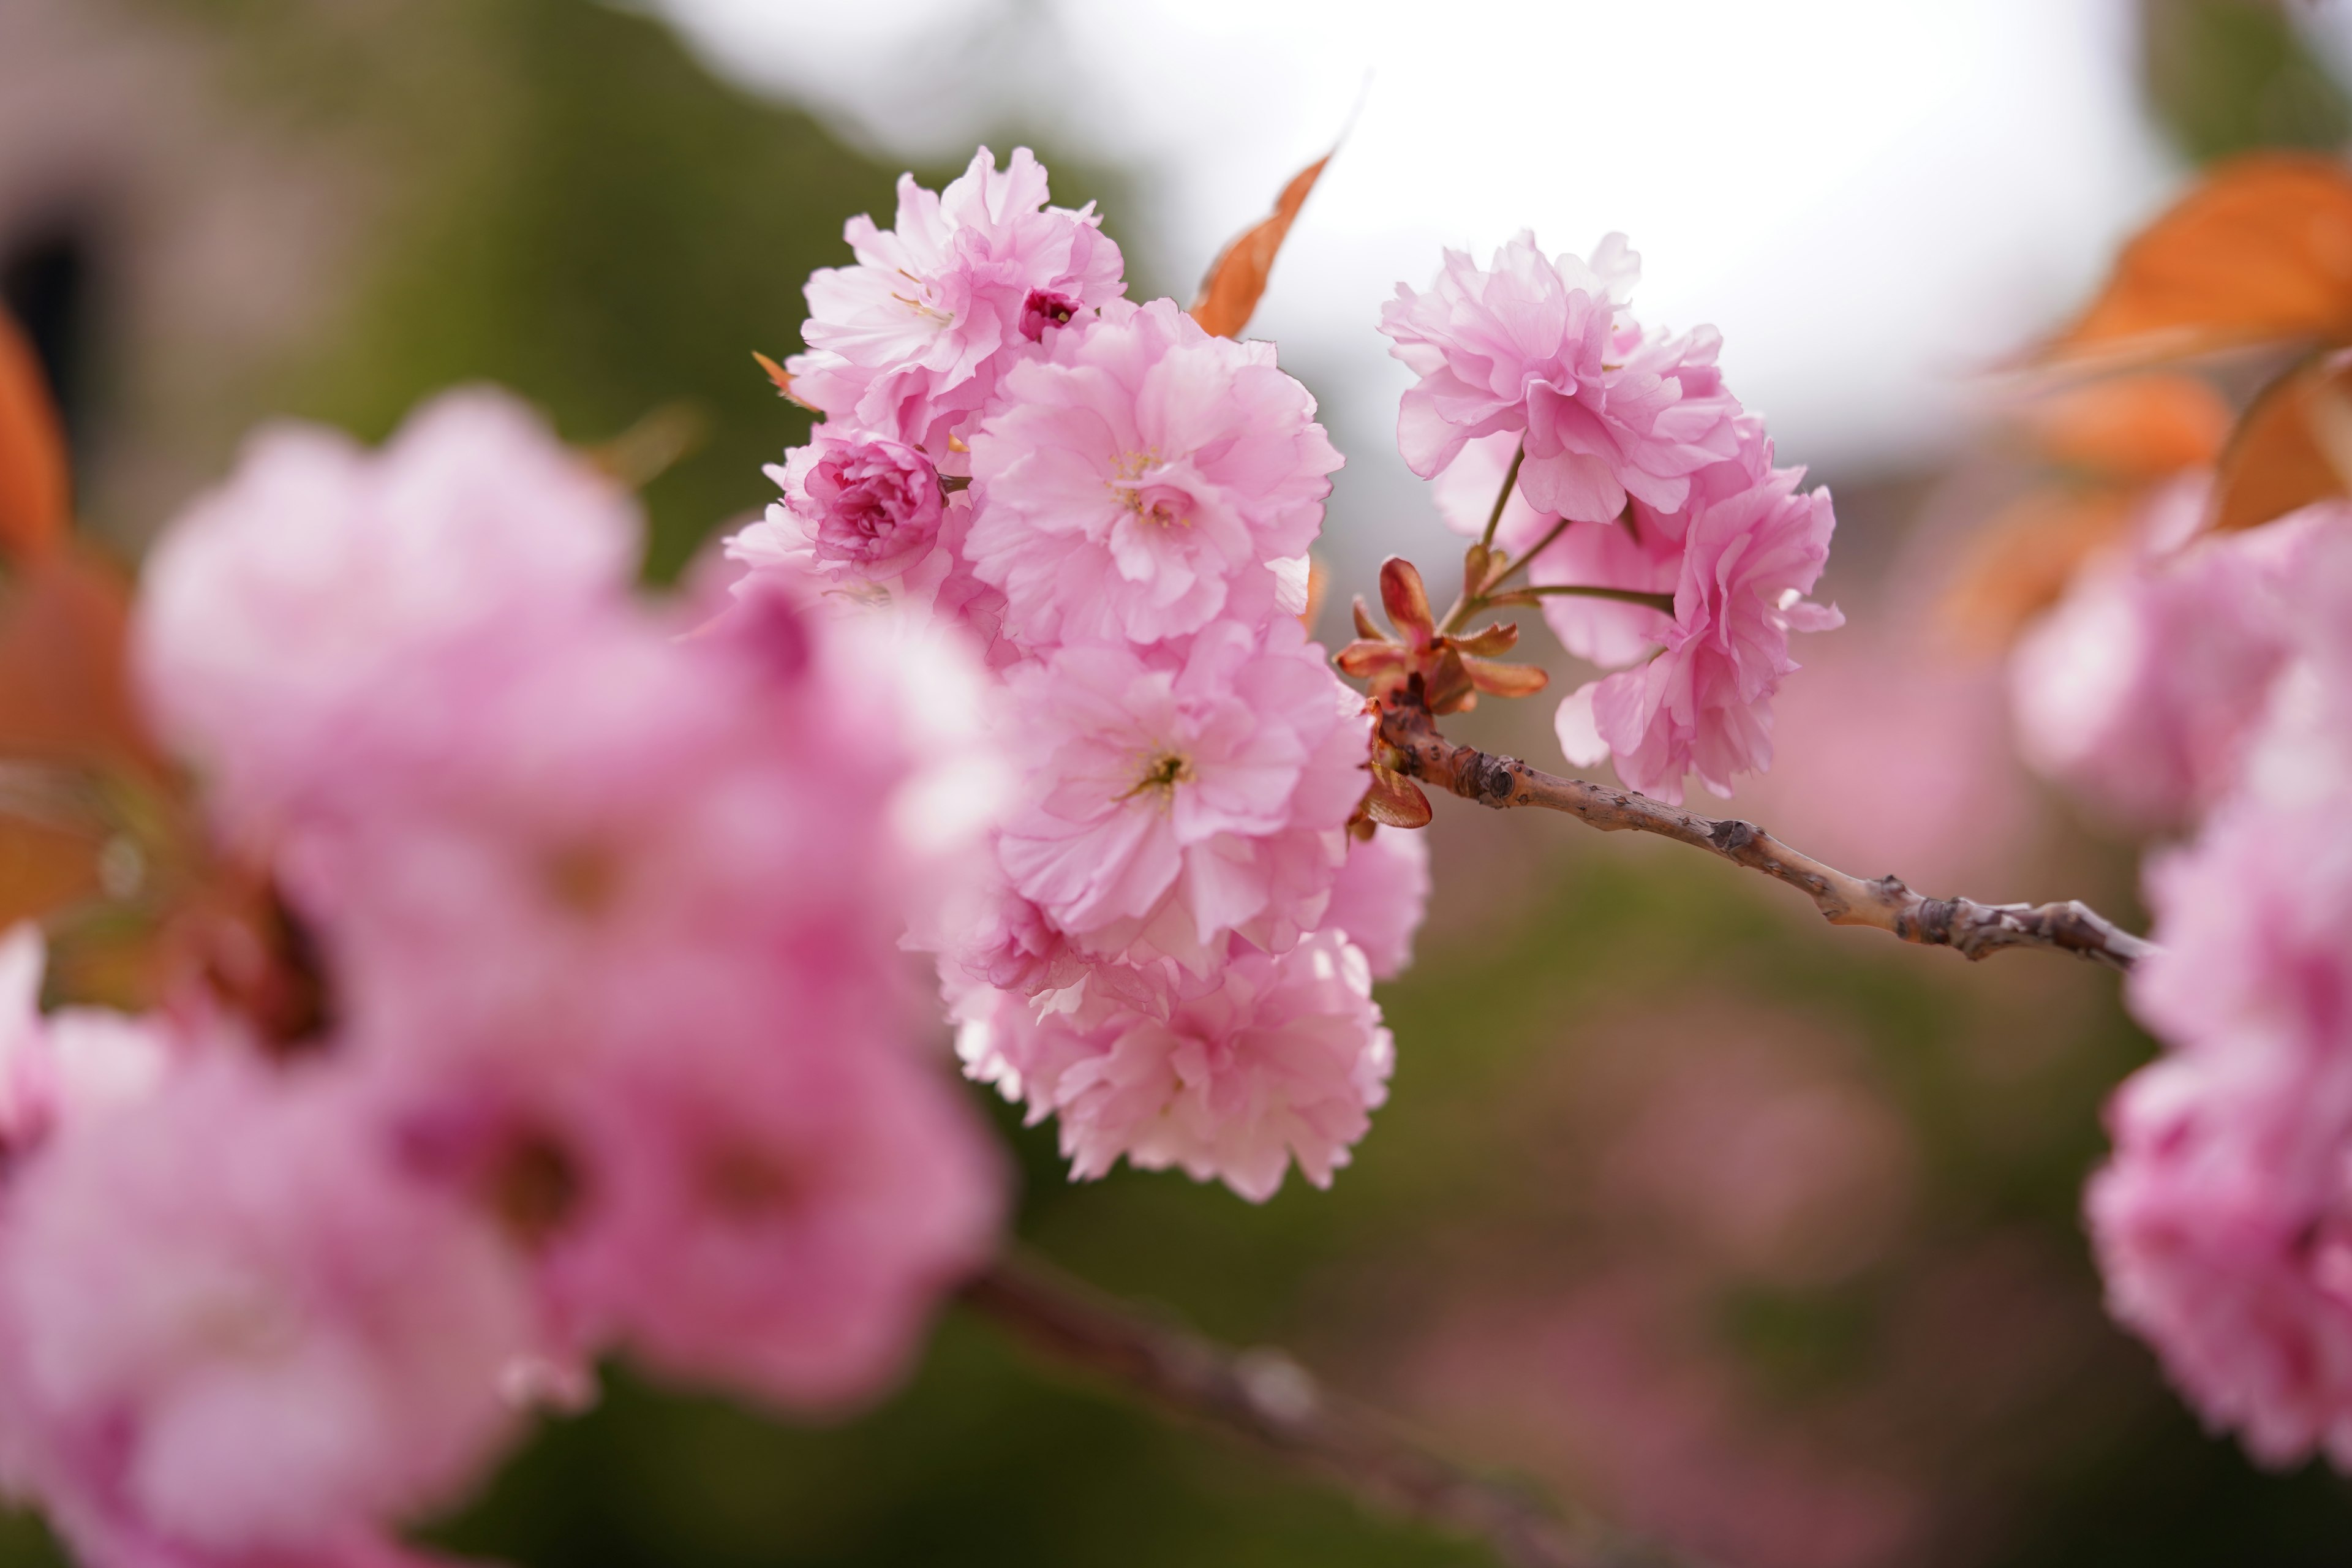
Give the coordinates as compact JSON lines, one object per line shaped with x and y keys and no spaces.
{"x":1976,"y":930}
{"x":1266,"y":1398}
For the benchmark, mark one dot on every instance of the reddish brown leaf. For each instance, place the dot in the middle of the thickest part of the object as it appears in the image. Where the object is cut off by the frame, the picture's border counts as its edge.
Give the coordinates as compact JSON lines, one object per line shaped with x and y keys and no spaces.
{"x":2018,"y":563}
{"x":784,"y":380}
{"x":1395,"y":801}
{"x":34,"y":491}
{"x":64,"y":695}
{"x":1446,"y":686}
{"x":1368,"y":656}
{"x":2293,"y":447}
{"x":43,"y":868}
{"x":1318,"y":588}
{"x":1500,"y":679}
{"x":1229,"y":294}
{"x":1364,"y":627}
{"x":2260,"y":250}
{"x":1488,"y":641}
{"x":2135,"y":426}
{"x":1406,"y":600}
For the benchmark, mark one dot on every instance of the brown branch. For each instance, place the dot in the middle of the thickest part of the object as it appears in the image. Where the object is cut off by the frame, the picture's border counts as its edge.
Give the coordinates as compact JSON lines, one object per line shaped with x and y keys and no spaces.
{"x":1268,"y":1399}
{"x":1977,"y":930}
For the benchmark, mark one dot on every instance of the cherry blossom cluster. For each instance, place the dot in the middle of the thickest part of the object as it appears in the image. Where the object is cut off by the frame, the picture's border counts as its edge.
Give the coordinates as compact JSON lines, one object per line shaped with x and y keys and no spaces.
{"x":1172,"y":946}
{"x":1612,"y":465}
{"x":603,"y":1043}
{"x":2203,"y":682}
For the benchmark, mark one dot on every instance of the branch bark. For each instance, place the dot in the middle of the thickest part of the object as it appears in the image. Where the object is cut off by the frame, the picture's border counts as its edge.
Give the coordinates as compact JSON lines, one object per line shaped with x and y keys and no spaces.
{"x":1267,"y":1399}
{"x":1976,"y":930}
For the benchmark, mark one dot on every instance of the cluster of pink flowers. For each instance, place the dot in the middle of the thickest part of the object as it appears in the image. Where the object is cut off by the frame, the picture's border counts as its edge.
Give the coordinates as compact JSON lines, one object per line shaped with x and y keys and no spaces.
{"x":617,"y":1055}
{"x":1115,"y":508}
{"x":1637,"y":473}
{"x":2205,"y":682}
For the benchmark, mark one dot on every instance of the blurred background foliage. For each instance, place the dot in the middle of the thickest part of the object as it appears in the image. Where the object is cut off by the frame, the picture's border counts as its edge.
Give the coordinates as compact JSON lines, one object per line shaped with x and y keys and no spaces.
{"x":1754,"y":1235}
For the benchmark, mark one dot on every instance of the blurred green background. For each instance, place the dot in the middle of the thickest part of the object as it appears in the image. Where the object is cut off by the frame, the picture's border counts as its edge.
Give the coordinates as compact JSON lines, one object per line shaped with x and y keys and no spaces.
{"x":1751,"y":1234}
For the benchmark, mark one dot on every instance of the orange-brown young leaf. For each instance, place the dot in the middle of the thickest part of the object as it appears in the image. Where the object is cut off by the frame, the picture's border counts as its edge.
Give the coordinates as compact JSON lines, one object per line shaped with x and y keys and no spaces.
{"x":2019,"y":565}
{"x":784,"y":380}
{"x":33,"y":487}
{"x":2293,"y":448}
{"x":1318,"y":588}
{"x":1406,"y":600}
{"x":2260,"y":250}
{"x":64,"y":692}
{"x":2135,"y":426}
{"x":1488,"y":641}
{"x":1229,"y":294}
{"x":1395,"y":801}
{"x":1499,"y":679}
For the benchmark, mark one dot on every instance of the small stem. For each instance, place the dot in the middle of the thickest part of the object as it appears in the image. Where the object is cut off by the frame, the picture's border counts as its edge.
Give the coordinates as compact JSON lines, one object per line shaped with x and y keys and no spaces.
{"x":1975,"y":930}
{"x":1266,"y":1398}
{"x":1557,"y":529}
{"x":1510,"y":482}
{"x":1662,"y":601}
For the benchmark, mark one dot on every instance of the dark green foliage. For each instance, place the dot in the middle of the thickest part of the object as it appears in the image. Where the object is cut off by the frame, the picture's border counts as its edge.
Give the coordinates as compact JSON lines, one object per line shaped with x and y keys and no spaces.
{"x":2229,"y":75}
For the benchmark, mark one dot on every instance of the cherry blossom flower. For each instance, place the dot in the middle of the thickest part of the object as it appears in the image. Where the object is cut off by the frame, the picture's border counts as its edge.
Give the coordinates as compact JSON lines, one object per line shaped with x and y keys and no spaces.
{"x":610,"y":917}
{"x":1169,"y":803}
{"x":2224,"y":1219}
{"x":1379,"y":896}
{"x":1275,"y":1059}
{"x":866,"y":506}
{"x":282,"y":619}
{"x":911,"y":341}
{"x":236,"y":1334}
{"x":1704,"y":703}
{"x":2145,"y":687}
{"x":768,"y":1197}
{"x":63,"y":1065}
{"x":1144,"y":480}
{"x":1534,"y":347}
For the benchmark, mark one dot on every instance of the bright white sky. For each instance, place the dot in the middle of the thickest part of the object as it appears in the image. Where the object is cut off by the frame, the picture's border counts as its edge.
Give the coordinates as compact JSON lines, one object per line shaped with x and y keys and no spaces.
{"x":1871,"y":198}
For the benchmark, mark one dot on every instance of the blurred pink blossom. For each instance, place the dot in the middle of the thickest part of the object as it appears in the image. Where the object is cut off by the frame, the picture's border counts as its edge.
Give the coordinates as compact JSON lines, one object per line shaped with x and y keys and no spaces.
{"x":1145,"y":480}
{"x":57,"y":1067}
{"x":2144,"y":687}
{"x":910,"y":342}
{"x":285,"y":621}
{"x":235,"y":1335}
{"x":2224,"y":1219}
{"x":1533,"y":346}
{"x":609,"y":914}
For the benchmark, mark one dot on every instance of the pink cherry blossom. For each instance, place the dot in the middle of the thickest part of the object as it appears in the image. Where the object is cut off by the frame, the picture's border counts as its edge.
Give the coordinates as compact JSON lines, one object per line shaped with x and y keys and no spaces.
{"x":1169,"y":803}
{"x":237,"y":1333}
{"x":2145,"y":687}
{"x":610,"y":913}
{"x":1533,"y":347}
{"x":1275,"y":1059}
{"x":771,"y":1197}
{"x":281,"y":620}
{"x":911,"y":341}
{"x":66,"y":1064}
{"x":868,"y":506}
{"x":2224,"y":1219}
{"x":1144,"y":480}
{"x":1379,"y":896}
{"x":1704,"y":703}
